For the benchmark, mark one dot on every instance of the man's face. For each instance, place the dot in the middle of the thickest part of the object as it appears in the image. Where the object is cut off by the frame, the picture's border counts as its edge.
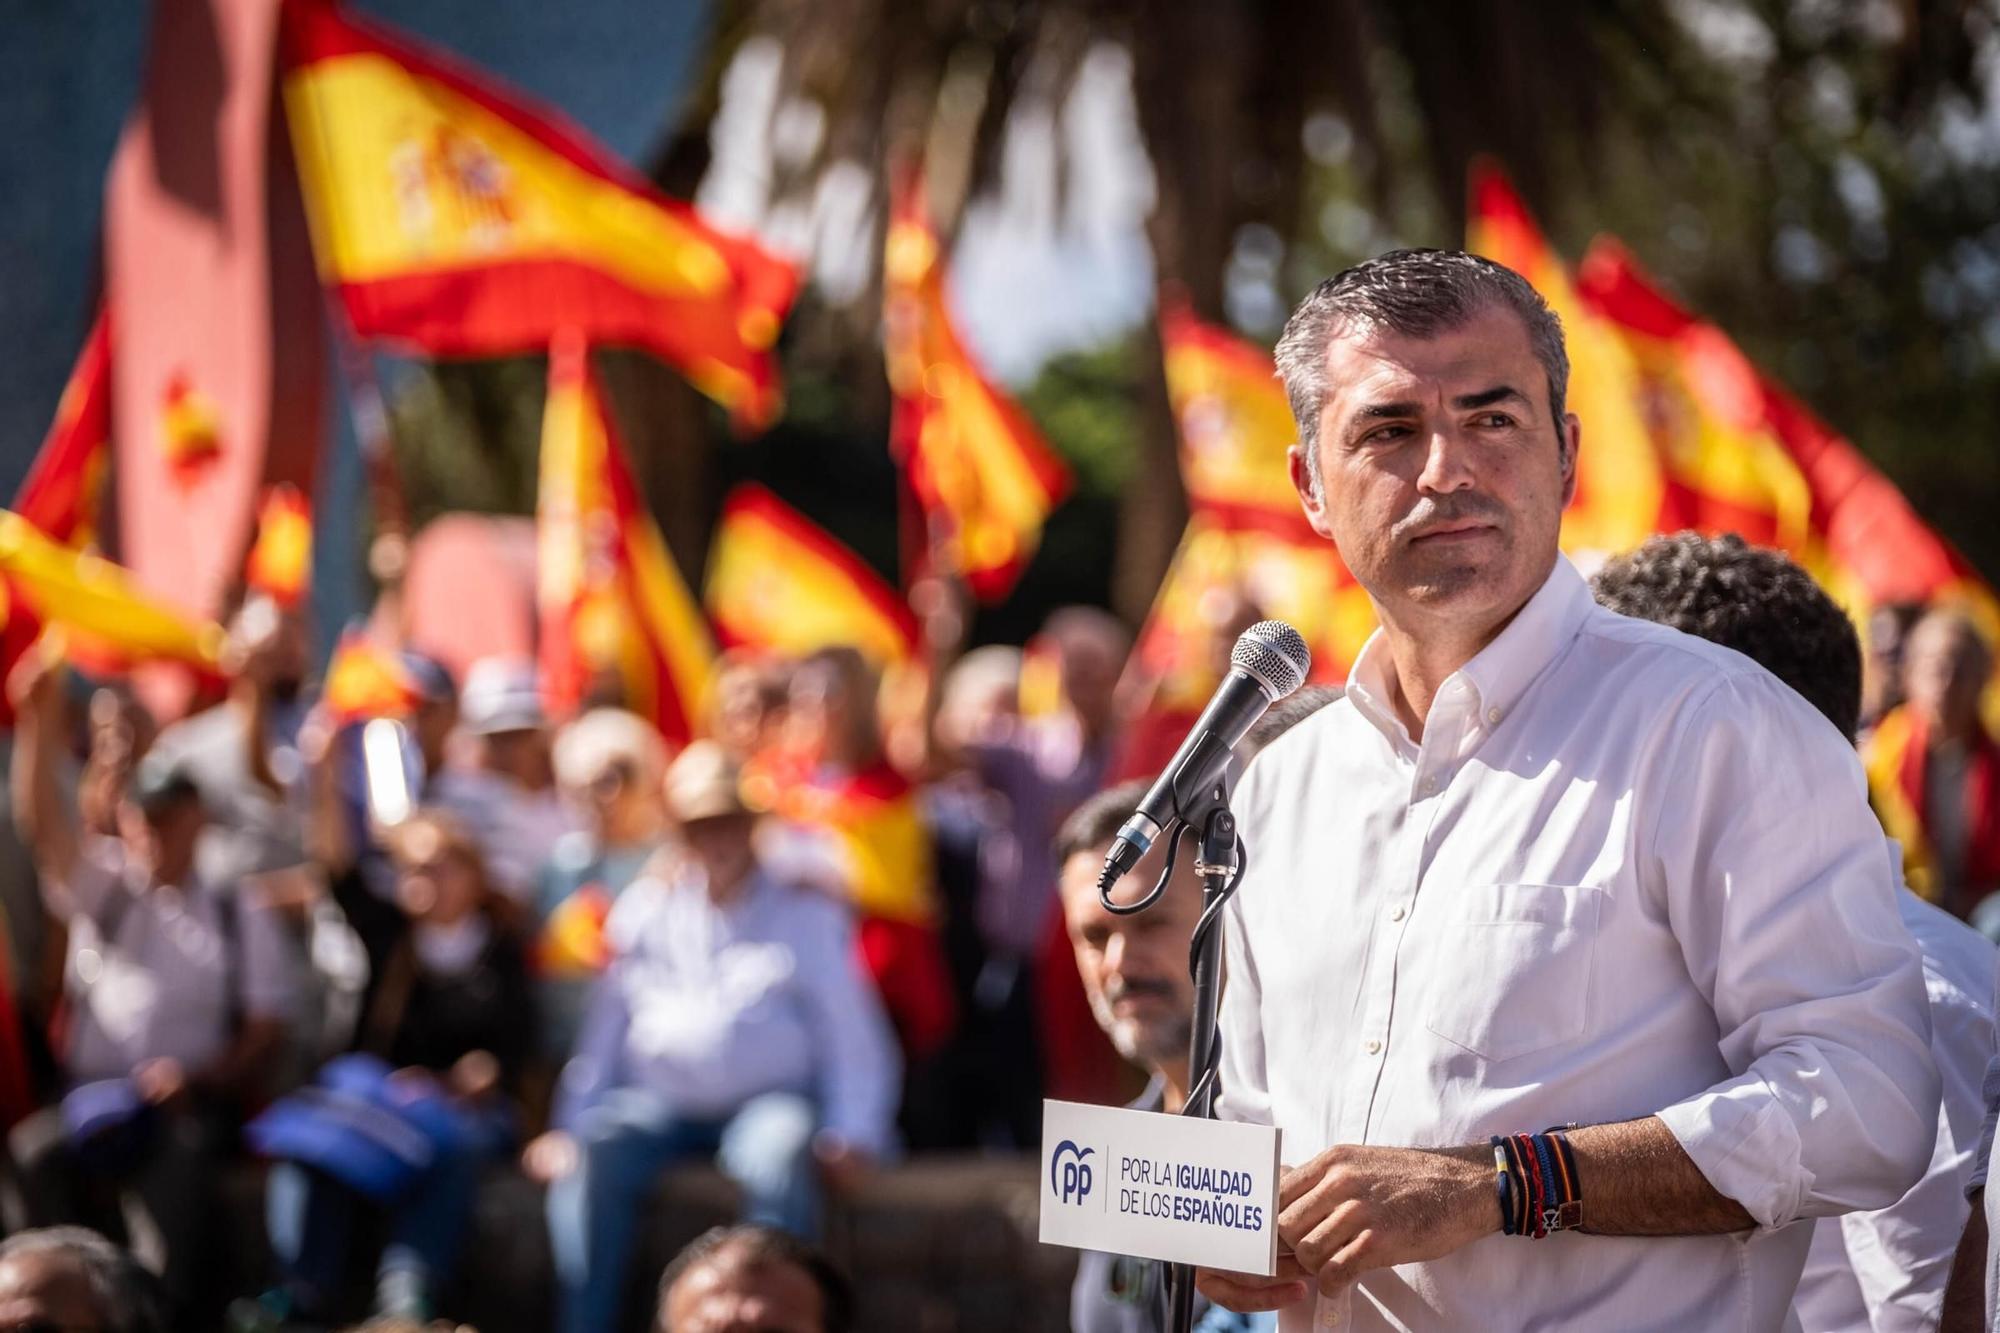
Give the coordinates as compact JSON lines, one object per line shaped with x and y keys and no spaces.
{"x":49,"y":1289}
{"x":1944,"y":670}
{"x":1444,"y":476}
{"x":1134,"y":968}
{"x":721,"y":846}
{"x":724,"y":1295}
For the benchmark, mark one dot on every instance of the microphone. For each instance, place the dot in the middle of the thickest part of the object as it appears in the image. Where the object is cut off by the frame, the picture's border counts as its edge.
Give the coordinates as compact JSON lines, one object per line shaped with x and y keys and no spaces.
{"x":1267,"y":663}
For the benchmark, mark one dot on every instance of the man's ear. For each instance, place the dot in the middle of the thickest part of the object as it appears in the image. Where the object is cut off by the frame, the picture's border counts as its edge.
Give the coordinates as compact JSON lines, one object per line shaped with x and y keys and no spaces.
{"x":1572,"y":440}
{"x":1312,"y":500}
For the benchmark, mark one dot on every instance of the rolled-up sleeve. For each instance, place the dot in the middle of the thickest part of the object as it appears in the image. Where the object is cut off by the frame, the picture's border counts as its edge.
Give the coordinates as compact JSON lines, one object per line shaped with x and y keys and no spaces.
{"x":1780,"y":887}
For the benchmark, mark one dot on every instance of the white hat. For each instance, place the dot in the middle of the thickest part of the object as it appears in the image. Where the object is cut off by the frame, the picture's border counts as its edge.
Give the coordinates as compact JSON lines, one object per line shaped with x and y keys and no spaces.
{"x":704,"y":783}
{"x":501,"y":694}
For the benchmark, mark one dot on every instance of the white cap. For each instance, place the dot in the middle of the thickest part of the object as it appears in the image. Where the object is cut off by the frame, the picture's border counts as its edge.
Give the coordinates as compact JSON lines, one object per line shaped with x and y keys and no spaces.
{"x":501,"y":694}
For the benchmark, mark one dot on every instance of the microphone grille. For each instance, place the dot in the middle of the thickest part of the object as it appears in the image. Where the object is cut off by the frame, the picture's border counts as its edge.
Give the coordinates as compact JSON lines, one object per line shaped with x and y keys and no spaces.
{"x":1274,"y":655}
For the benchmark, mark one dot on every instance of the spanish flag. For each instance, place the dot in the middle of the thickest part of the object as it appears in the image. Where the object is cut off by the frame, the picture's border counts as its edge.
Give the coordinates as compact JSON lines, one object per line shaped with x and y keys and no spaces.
{"x":365,"y":680}
{"x":1247,"y":539}
{"x":106,"y":619}
{"x":1235,"y":425}
{"x":611,"y":601}
{"x":983,"y":475}
{"x":280,"y":563}
{"x":64,"y":491}
{"x":874,"y":830}
{"x":455,"y":218}
{"x":777,"y":582}
{"x":1620,"y":484}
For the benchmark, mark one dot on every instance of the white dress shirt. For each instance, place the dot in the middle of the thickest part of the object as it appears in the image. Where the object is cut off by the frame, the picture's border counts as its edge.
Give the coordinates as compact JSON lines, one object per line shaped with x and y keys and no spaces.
{"x":1885,"y":1271}
{"x":1626,"y":872}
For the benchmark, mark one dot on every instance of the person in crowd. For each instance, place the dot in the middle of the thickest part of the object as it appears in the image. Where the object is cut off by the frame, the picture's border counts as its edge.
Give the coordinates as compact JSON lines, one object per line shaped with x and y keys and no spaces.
{"x":72,"y":1280}
{"x":984,"y":1089}
{"x":737,"y":1021}
{"x":866,"y":839}
{"x":1040,"y":761}
{"x":241,"y":752}
{"x":452,"y":1018}
{"x":1134,"y":970}
{"x":1883,"y":1270}
{"x":467,"y":794}
{"x":500,"y":713}
{"x":1887,"y":634}
{"x":753,"y":1277}
{"x":1934,"y":766}
{"x":1607,"y":878}
{"x":179,"y":990}
{"x":608,"y":763}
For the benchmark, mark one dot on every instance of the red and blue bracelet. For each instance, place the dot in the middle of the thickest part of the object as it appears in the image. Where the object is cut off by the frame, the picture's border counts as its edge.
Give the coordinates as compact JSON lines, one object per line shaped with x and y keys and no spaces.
{"x":1536,"y":1184}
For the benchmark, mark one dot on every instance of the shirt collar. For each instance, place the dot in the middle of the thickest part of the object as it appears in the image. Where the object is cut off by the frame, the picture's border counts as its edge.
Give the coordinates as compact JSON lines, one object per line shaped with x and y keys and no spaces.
{"x":1503,"y":670}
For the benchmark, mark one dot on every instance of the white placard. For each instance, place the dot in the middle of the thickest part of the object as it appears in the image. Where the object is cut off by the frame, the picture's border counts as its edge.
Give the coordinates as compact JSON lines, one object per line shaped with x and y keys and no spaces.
{"x":1160,"y":1186}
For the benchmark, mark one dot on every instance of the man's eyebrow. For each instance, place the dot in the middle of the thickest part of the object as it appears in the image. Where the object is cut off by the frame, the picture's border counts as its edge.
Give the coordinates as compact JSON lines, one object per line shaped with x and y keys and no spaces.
{"x":1385,"y":411}
{"x":1499,"y":393}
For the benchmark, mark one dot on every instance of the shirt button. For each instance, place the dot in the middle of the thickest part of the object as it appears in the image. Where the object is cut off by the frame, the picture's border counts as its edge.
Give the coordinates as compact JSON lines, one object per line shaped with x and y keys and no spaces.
{"x":1430,"y":784}
{"x":1493,"y":716}
{"x":1396,"y":912}
{"x":1372,"y":1046}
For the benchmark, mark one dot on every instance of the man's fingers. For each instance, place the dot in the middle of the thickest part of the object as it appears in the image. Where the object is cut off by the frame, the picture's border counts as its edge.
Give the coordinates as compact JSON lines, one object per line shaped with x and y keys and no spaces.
{"x":1348,"y":1263}
{"x":1326,"y":1238}
{"x":1249,"y":1294}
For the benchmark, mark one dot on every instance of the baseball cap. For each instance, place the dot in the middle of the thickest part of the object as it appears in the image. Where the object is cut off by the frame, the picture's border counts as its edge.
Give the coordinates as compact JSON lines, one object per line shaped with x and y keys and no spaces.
{"x":501,"y":694}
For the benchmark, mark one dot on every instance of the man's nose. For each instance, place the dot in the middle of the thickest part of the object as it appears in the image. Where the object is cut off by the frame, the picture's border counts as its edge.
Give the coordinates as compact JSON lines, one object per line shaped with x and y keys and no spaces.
{"x":1114,"y":954}
{"x":1447,"y":462}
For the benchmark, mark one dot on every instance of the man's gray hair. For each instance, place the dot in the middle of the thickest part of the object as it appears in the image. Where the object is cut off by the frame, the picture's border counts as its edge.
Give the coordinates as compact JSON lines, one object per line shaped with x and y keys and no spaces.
{"x":127,"y":1296}
{"x":1417,"y":294}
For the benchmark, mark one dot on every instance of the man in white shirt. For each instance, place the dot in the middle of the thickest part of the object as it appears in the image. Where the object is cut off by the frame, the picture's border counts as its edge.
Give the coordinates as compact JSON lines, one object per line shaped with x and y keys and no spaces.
{"x":1543,"y":865}
{"x":1881,"y":1271}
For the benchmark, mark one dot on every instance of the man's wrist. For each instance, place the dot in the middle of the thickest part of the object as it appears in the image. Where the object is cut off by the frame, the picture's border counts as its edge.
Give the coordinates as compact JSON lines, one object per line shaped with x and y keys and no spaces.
{"x":1476,"y":1206}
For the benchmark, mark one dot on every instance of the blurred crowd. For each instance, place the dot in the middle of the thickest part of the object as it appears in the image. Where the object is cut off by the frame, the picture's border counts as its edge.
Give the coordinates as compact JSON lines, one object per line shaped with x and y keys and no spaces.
{"x":386,"y":956}
{"x":386,"y":960}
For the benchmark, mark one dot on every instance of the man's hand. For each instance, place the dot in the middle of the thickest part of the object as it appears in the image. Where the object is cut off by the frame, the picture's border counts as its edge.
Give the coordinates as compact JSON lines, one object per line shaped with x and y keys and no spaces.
{"x":1353,"y":1208}
{"x":1248,"y":1293}
{"x":549,"y":1157}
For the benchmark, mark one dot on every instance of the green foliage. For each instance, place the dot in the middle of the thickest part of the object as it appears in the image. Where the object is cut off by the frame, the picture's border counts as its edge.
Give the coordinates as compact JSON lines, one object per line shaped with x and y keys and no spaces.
{"x":1087,"y":405}
{"x":467,"y":434}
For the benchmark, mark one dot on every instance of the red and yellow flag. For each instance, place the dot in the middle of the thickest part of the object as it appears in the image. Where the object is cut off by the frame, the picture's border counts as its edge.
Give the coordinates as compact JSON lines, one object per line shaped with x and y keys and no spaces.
{"x":610,"y":599}
{"x":1235,"y":426}
{"x":778,"y":582}
{"x":1619,"y":484}
{"x":365,"y":680}
{"x":1247,"y":541}
{"x":105,"y":617}
{"x":64,"y":490}
{"x":981,"y":471}
{"x":280,"y":562}
{"x":456,"y":218}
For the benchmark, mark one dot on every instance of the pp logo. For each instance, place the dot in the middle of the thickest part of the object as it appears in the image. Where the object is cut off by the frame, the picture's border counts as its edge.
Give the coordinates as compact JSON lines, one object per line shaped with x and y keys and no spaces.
{"x":1069,"y":1175}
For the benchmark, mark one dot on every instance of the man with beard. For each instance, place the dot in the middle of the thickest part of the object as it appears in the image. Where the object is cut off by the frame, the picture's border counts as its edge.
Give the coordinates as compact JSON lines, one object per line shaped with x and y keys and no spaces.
{"x":1134,"y":971}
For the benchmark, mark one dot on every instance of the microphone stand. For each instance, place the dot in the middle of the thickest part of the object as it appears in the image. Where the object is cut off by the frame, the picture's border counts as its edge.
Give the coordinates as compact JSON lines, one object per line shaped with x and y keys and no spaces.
{"x":1217,"y":864}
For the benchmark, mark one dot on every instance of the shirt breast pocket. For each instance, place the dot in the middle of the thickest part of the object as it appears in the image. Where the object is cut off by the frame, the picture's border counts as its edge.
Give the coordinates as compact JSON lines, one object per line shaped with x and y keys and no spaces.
{"x":1512,"y":971}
